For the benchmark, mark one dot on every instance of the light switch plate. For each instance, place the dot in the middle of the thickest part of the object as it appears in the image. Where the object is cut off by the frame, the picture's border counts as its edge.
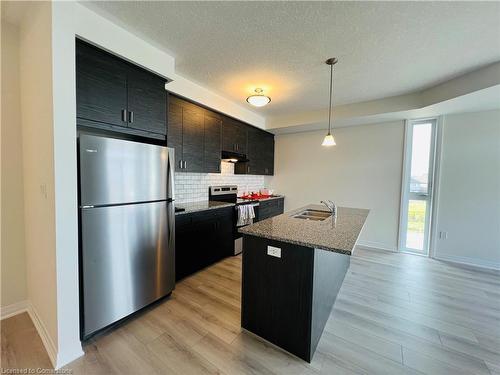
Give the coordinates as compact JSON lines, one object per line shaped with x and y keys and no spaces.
{"x":274,"y":251}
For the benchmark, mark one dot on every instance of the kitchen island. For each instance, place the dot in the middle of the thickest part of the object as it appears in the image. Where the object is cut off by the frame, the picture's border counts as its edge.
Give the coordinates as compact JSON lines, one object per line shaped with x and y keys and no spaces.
{"x":293,"y":268}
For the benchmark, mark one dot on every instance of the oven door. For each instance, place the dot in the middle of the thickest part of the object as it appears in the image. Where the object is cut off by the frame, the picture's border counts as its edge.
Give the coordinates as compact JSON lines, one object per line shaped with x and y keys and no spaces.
{"x":238,"y":237}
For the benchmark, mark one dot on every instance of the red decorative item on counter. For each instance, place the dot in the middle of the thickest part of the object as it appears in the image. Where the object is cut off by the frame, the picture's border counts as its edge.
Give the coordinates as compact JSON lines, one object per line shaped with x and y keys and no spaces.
{"x":255,"y":196}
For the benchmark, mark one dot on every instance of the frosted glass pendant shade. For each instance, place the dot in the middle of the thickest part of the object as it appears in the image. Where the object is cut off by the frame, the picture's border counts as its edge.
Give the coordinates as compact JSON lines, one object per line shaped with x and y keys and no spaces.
{"x":328,"y":140}
{"x":258,"y":99}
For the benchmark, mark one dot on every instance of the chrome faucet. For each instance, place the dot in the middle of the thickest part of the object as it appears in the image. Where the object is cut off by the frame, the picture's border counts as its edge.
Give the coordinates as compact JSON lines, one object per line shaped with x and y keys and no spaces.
{"x":332,"y":207}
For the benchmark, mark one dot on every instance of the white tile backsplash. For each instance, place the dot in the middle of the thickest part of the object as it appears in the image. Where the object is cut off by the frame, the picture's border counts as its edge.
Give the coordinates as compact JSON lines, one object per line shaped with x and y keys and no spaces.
{"x":193,"y":187}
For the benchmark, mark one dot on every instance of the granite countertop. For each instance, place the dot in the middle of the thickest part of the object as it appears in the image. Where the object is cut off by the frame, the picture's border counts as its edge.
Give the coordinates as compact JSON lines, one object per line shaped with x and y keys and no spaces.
{"x":316,"y":234}
{"x":190,"y":207}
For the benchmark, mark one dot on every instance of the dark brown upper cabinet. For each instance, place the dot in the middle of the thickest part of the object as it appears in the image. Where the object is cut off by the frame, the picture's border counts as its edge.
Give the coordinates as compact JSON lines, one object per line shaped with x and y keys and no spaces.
{"x":192,"y":140}
{"x":101,"y":85}
{"x":146,"y":101}
{"x":255,"y":165}
{"x":213,"y":137}
{"x":268,"y":153}
{"x":260,"y":153}
{"x":199,"y":135}
{"x":111,"y":91}
{"x":195,"y":134}
{"x":234,"y":136}
{"x":174,"y":139}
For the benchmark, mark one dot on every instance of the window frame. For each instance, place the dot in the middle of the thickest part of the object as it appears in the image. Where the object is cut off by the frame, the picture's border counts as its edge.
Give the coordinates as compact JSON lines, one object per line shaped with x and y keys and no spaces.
{"x":431,"y":211}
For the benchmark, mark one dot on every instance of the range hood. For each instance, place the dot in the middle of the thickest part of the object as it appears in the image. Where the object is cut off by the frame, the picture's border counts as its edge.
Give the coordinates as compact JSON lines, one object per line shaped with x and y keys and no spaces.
{"x":233,"y":157}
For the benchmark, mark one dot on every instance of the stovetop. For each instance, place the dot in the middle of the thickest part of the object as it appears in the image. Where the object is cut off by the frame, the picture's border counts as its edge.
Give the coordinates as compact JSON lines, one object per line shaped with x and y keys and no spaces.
{"x":228,"y":193}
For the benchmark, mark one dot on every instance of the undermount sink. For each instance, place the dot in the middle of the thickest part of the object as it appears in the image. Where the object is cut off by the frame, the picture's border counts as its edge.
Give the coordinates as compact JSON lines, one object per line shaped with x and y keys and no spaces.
{"x":314,"y":215}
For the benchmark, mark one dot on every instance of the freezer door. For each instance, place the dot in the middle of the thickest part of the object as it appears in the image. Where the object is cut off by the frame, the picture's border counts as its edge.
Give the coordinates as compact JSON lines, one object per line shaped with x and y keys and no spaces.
{"x":114,"y":171}
{"x":127,"y":260}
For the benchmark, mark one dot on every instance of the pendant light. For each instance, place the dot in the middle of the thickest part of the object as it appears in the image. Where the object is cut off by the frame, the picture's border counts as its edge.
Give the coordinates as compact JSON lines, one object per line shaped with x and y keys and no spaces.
{"x":258,"y":99}
{"x":329,"y":140}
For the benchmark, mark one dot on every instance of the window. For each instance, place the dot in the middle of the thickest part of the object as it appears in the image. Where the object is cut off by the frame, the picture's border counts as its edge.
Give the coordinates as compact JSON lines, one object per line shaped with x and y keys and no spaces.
{"x":417,"y":186}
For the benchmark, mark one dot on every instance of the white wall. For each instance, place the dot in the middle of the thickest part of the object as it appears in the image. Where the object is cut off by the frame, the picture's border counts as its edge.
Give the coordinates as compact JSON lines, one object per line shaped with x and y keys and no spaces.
{"x":65,"y":185}
{"x":38,"y":166}
{"x":12,"y":243}
{"x":469,"y":197}
{"x":363,"y":170}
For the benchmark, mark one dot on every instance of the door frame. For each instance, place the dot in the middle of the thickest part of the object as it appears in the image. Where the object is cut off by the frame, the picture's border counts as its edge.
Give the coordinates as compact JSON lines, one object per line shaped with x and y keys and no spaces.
{"x":434,"y":163}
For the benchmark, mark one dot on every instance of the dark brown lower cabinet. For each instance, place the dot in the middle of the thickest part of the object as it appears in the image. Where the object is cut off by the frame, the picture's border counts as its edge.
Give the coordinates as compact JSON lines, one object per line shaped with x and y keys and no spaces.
{"x":288,"y":300}
{"x":201,"y":239}
{"x":271,"y":207}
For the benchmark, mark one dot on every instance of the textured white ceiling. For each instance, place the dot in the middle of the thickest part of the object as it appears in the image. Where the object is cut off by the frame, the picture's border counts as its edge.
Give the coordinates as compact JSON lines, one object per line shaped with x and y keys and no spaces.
{"x":384,"y":48}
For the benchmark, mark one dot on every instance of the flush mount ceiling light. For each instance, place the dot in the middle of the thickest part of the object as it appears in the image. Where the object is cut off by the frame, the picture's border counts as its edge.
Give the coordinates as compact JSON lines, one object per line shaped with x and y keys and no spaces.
{"x":258,"y":99}
{"x":329,"y":140}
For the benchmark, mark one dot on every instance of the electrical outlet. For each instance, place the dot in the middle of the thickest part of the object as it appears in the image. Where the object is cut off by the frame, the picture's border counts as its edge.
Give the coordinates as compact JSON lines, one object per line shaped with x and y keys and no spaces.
{"x":274,"y":251}
{"x":443,"y":235}
{"x":43,"y":190}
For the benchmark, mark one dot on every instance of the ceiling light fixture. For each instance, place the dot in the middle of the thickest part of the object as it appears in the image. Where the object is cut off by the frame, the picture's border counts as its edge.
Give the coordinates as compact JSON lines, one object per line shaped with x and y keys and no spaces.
{"x":329,"y":140}
{"x":258,"y":99}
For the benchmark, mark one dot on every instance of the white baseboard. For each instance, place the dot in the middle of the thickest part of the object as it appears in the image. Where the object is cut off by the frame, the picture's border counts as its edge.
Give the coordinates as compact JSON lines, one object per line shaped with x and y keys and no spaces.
{"x":13,"y":309}
{"x":44,"y":335}
{"x":377,"y":246}
{"x":26,"y":306}
{"x":68,"y":354}
{"x":468,"y":261}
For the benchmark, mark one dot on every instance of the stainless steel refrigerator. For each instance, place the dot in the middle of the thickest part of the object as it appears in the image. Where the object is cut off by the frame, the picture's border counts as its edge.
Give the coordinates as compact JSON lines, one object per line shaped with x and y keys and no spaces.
{"x":127,"y":236}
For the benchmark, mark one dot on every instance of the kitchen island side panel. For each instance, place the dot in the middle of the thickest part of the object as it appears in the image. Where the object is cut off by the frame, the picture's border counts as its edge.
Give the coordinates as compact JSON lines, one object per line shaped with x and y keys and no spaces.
{"x":329,"y":271}
{"x":277,"y":294}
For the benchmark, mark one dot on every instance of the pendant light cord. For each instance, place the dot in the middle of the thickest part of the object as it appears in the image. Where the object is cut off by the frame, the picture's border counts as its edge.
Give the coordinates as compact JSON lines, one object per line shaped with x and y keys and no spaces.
{"x":330,"y":111}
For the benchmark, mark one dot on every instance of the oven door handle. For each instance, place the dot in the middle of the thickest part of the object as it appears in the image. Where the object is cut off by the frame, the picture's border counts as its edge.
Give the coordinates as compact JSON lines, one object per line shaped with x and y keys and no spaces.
{"x":253,"y":205}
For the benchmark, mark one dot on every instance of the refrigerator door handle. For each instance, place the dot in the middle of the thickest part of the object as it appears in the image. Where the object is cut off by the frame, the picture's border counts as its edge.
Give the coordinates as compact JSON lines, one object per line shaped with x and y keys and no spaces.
{"x":170,"y":174}
{"x":171,"y":238}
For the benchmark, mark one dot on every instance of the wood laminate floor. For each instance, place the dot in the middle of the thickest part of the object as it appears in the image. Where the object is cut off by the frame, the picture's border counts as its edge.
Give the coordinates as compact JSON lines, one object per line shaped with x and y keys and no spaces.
{"x":395,"y":314}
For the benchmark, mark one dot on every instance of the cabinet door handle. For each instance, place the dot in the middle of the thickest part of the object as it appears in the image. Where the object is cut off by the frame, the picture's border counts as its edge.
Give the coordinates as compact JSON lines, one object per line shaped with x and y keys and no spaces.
{"x":248,"y":169}
{"x":131,"y":116}
{"x":124,"y":115}
{"x":185,"y":164}
{"x":180,"y":164}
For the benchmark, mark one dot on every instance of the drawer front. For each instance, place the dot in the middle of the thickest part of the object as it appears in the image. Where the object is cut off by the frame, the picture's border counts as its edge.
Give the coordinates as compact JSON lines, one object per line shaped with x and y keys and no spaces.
{"x":270,"y":208}
{"x":183,"y":221}
{"x":203,"y":238}
{"x":212,"y":214}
